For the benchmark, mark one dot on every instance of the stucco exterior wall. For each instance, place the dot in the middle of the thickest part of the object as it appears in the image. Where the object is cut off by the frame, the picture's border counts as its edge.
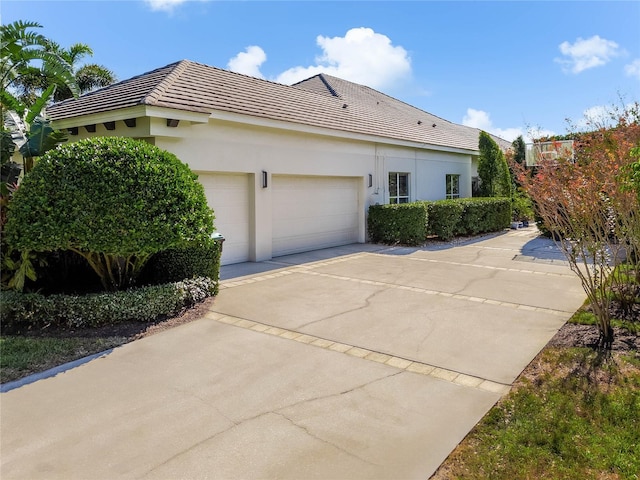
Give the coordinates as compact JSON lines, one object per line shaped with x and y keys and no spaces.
{"x":220,"y":146}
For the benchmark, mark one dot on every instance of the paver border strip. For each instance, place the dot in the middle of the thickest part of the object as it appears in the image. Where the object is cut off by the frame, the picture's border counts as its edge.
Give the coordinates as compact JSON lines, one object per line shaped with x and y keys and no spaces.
{"x":452,"y":376}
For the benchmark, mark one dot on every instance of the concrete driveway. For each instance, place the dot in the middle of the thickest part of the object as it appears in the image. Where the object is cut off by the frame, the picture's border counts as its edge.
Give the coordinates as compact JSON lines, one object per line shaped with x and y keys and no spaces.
{"x":354,"y":362}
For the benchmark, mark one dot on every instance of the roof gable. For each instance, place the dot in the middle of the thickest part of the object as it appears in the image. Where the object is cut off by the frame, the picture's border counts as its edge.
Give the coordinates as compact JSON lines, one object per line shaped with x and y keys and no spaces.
{"x":321,"y":101}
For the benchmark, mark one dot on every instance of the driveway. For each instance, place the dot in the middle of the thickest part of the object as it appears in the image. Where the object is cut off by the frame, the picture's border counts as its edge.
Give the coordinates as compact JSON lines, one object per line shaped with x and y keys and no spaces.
{"x":353,"y":362}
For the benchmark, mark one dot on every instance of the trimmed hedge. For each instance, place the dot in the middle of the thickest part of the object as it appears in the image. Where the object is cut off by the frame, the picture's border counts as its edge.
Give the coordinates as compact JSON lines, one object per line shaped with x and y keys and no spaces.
{"x":179,"y":263}
{"x":402,"y":223}
{"x":445,"y":218}
{"x":33,"y":311}
{"x":410,"y":223}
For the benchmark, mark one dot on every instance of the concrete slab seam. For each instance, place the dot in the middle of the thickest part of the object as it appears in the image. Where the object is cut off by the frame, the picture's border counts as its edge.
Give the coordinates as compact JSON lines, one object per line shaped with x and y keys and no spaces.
{"x":224,"y":284}
{"x":400,"y":363}
{"x":457,"y":296}
{"x":489,"y":267}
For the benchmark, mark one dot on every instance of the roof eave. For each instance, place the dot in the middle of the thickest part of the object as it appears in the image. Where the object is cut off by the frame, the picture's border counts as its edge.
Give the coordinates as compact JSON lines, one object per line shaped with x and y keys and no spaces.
{"x":137,"y":111}
{"x":329,"y":132}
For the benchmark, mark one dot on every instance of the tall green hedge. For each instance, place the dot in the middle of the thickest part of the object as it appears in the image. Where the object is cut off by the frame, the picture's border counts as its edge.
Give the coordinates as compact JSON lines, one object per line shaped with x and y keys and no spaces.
{"x":411,"y":223}
{"x":404,"y":223}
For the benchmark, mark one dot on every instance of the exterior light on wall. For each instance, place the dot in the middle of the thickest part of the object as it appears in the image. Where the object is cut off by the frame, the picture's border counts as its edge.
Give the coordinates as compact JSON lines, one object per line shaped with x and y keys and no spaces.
{"x":264,"y":179}
{"x":172,"y":122}
{"x":370,"y":180}
{"x":110,"y":125}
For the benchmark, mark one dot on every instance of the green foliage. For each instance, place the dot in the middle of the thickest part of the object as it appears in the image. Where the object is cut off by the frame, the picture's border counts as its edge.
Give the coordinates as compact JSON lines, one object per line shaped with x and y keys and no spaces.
{"x":410,"y":223}
{"x":115,"y":201}
{"x":468,"y":216}
{"x":522,"y":206}
{"x":32,"y":311}
{"x":22,"y":356}
{"x":179,"y":263}
{"x":404,"y":223}
{"x":495,"y":178}
{"x":41,"y":138}
{"x":445,"y":218}
{"x":579,"y":419}
{"x":482,"y":215}
{"x":519,"y":150}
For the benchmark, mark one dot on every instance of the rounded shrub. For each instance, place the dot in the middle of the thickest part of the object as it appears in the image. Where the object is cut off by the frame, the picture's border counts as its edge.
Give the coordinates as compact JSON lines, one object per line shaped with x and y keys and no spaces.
{"x":115,"y":201}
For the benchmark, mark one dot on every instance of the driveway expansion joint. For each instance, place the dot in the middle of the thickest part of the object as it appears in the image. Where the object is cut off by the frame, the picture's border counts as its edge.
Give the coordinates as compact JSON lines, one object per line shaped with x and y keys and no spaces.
{"x":405,"y":364}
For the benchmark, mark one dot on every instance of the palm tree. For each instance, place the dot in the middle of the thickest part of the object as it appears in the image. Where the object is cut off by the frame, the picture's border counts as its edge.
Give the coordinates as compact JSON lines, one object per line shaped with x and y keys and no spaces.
{"x":23,"y":53}
{"x":20,"y":51}
{"x":87,"y":77}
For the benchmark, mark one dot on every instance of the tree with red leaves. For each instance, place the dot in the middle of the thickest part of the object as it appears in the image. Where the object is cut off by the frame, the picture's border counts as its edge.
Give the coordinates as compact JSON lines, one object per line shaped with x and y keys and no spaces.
{"x":590,"y":205}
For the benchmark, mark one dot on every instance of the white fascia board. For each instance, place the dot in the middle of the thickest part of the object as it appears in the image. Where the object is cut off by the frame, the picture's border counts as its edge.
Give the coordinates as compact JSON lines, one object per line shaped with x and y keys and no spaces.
{"x":102,"y":117}
{"x":174,"y":114}
{"x":328,"y":132}
{"x":139,"y":111}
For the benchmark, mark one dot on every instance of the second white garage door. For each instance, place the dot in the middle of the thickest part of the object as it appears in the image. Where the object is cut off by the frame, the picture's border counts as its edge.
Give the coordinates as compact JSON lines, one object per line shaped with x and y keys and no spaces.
{"x":313,"y":212}
{"x":228,"y":195}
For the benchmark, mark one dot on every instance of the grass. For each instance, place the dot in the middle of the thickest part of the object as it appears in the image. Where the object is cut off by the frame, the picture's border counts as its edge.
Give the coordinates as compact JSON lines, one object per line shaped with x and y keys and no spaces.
{"x":576,"y":417}
{"x":21,"y":356}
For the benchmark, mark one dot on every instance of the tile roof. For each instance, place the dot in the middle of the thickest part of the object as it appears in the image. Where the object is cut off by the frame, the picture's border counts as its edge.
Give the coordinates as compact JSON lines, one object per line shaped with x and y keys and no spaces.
{"x":320,"y":101}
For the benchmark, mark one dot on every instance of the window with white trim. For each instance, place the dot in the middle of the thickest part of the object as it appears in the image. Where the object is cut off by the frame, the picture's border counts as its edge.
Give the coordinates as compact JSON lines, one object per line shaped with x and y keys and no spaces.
{"x":453,"y":186}
{"x":398,"y":187}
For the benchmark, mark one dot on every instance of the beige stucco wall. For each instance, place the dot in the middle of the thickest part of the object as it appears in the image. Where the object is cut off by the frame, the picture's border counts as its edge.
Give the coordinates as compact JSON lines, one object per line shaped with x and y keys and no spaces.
{"x":223,"y":146}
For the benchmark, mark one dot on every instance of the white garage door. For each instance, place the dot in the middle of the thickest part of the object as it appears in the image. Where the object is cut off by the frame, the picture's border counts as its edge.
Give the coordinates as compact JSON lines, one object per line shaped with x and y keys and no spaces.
{"x":228,"y":195}
{"x":313,"y":212}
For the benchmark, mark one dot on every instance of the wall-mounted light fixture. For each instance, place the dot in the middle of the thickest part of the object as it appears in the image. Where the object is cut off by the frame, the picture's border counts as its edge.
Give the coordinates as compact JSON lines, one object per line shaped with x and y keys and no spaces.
{"x":90,"y":128}
{"x":73,"y":130}
{"x":370,"y":180}
{"x":110,"y":125}
{"x":264,"y":179}
{"x":172,"y":122}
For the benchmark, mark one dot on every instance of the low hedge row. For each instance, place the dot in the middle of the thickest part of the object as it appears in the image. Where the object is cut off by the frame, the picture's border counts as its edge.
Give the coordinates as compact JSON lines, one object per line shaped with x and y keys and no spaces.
{"x":468,"y":216}
{"x":411,"y":223}
{"x":404,"y":223}
{"x":32,"y":311}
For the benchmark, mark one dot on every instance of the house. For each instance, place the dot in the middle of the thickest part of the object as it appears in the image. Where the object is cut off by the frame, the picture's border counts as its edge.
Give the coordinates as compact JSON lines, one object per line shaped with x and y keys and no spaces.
{"x":286,"y":168}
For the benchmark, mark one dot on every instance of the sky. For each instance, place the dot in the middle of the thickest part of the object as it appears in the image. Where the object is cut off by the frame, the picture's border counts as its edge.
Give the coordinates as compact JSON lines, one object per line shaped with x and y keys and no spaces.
{"x":508,"y":67}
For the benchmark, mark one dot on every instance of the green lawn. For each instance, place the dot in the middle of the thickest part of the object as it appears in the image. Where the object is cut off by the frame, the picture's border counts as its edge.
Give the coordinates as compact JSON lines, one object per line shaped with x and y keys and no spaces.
{"x":21,"y":356}
{"x":573,"y":415}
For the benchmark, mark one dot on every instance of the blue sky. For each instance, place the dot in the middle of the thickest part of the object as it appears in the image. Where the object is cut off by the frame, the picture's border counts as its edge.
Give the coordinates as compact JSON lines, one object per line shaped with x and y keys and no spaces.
{"x":508,"y":67}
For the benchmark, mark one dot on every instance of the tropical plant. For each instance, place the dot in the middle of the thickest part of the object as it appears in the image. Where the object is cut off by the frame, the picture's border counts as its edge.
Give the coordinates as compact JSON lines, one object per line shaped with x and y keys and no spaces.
{"x":21,"y":51}
{"x":87,"y":77}
{"x":114,"y":201}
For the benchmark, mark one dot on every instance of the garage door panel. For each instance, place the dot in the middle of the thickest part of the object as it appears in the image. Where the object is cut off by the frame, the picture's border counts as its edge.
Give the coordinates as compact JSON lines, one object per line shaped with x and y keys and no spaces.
{"x":313,"y":212}
{"x":228,"y":195}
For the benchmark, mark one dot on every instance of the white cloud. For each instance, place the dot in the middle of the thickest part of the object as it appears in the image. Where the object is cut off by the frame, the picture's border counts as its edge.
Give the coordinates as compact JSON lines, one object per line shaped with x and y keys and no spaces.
{"x":166,"y":5}
{"x":248,"y":62}
{"x":481,"y":119}
{"x":361,"y":56}
{"x":585,"y":54}
{"x":633,"y":69}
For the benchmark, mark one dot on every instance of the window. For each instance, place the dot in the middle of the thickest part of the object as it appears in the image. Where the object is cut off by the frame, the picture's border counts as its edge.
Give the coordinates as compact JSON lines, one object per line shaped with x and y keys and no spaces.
{"x":453,"y":186}
{"x":398,"y":187}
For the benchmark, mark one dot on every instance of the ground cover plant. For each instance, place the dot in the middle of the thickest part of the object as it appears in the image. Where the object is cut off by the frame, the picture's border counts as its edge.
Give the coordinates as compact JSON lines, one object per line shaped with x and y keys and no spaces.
{"x":571,"y":415}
